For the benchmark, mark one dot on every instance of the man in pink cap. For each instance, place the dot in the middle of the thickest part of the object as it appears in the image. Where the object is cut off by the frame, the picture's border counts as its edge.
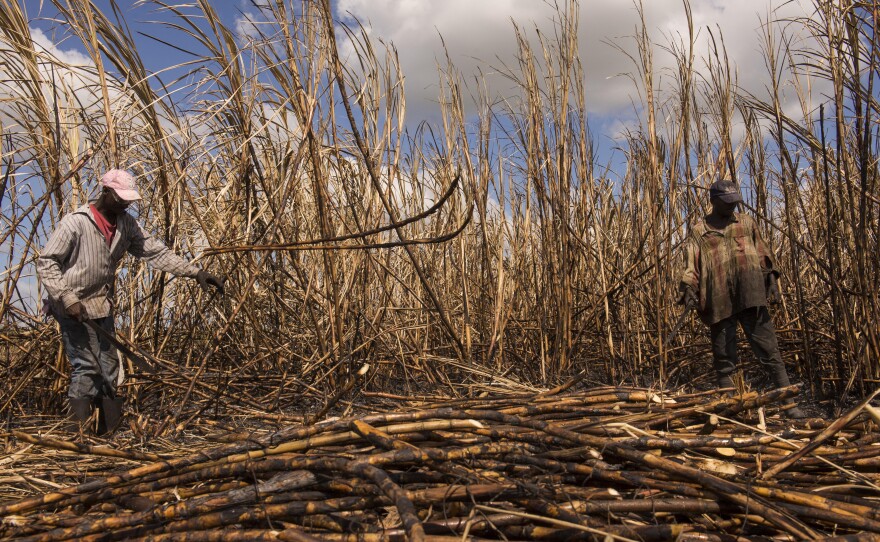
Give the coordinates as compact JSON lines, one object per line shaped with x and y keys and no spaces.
{"x":78,"y":269}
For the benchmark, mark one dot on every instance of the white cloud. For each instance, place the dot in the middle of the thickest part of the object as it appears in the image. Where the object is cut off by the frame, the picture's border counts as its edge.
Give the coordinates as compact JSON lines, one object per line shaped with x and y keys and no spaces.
{"x":480,"y":34}
{"x":71,"y":57}
{"x":72,"y":71}
{"x":247,"y":26}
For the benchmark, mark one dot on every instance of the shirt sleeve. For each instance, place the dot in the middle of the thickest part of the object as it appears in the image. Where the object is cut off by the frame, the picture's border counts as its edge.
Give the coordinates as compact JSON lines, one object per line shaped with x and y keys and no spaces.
{"x":765,"y":255}
{"x":146,"y":247}
{"x":690,"y":275}
{"x":57,"y":250}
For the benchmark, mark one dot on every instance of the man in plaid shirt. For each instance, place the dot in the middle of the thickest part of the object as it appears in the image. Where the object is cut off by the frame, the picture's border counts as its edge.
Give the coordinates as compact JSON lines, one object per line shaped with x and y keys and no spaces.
{"x":729,"y":278}
{"x":78,"y":269}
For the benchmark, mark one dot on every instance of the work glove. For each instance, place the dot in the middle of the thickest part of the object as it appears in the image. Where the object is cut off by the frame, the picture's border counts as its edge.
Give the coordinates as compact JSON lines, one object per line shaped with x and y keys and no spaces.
{"x":205,"y":279}
{"x":77,"y":311}
{"x":688,"y":296}
{"x":772,"y":288}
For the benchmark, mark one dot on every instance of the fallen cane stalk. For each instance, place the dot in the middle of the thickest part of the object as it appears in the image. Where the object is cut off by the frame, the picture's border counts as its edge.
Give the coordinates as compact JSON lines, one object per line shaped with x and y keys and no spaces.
{"x":535,"y":457}
{"x":848,"y":472}
{"x":552,"y":521}
{"x":827,"y":433}
{"x":724,"y":488}
{"x":84,"y":448}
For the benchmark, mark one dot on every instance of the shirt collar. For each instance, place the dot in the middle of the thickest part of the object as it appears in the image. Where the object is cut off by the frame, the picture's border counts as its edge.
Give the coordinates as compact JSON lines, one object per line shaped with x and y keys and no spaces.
{"x":733,"y":218}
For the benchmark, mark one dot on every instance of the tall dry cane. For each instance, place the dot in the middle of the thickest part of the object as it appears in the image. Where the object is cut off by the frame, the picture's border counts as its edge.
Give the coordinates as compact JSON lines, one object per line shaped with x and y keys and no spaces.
{"x":366,"y":155}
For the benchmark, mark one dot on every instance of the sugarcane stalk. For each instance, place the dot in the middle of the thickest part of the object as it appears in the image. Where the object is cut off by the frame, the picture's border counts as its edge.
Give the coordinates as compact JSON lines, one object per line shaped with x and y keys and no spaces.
{"x":824,"y":435}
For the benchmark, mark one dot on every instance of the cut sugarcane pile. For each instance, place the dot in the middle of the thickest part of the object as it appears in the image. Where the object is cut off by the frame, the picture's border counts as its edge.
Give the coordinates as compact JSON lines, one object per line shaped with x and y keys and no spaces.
{"x":604,"y":464}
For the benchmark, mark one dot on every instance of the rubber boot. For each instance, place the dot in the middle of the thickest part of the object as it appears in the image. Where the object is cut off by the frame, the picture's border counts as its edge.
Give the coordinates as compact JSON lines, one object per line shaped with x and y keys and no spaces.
{"x":780,"y":376}
{"x":795,"y":413}
{"x":724,"y":383}
{"x":781,"y":380}
{"x":80,"y":412}
{"x":109,"y":414}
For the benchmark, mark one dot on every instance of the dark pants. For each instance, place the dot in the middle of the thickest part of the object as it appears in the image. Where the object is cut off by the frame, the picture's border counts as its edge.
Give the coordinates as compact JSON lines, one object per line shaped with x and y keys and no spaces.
{"x":85,"y":349}
{"x":761,"y":334}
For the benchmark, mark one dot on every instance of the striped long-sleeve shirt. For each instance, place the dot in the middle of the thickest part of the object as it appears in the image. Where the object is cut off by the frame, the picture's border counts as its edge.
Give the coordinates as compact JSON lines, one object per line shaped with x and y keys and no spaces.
{"x":727,"y":268}
{"x":77,"y":265}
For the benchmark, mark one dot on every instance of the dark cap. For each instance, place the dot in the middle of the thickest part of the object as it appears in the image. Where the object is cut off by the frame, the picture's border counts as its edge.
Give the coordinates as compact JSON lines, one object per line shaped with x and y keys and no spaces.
{"x":725,"y":190}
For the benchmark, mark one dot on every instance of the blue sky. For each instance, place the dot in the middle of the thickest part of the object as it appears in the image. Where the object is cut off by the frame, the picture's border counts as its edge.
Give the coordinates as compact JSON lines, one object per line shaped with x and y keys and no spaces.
{"x":480,"y":39}
{"x":148,"y":26}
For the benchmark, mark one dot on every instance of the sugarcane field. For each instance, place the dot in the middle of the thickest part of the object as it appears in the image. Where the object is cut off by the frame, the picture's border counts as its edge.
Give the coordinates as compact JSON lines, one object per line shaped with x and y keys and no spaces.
{"x":403,"y":270}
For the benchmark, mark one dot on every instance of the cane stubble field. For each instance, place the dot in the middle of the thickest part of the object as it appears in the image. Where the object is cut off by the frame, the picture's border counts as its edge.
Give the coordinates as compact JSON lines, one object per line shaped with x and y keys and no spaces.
{"x":453,"y":331}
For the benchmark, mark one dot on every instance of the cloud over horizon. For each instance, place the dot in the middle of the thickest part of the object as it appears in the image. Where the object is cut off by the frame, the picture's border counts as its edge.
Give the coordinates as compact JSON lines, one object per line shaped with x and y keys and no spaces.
{"x":480,"y":36}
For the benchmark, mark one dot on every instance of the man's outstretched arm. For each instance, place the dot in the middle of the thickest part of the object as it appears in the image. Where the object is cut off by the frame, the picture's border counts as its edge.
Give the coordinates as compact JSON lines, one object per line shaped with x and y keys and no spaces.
{"x":154,"y":252}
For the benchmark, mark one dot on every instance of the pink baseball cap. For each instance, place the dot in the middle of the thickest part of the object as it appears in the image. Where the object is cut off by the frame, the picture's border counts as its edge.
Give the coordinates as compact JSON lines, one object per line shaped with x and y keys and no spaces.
{"x":122,"y":182}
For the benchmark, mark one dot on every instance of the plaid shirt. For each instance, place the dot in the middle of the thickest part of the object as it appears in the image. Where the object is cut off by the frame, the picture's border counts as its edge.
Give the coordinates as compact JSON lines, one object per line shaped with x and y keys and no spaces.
{"x":727,"y":268}
{"x":77,"y":265}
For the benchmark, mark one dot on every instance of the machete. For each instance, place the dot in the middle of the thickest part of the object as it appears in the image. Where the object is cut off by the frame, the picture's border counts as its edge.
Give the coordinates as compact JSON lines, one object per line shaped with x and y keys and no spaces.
{"x":687,"y":308}
{"x":138,"y":358}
